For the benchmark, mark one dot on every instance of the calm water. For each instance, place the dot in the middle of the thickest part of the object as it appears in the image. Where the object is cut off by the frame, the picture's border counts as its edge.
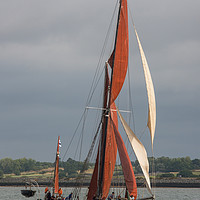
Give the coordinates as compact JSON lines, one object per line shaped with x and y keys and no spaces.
{"x":161,"y":193}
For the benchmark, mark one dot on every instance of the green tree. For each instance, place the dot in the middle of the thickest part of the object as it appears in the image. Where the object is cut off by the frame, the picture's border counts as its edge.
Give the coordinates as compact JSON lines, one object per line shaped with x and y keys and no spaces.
{"x":163,"y":164}
{"x":62,"y":174}
{"x":196,"y":164}
{"x":27,"y":164}
{"x":1,"y":173}
{"x":160,"y":167}
{"x":71,"y":167}
{"x":185,"y":173}
{"x":7,"y":165}
{"x":17,"y":167}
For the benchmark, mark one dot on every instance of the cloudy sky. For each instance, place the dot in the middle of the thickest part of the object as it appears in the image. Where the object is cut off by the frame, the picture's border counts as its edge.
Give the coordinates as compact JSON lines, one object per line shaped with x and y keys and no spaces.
{"x":48,"y":55}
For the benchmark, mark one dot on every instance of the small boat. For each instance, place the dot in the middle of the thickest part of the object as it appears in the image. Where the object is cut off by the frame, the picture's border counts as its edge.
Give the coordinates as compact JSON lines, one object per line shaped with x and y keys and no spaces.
{"x":57,"y":192}
{"x":28,"y":193}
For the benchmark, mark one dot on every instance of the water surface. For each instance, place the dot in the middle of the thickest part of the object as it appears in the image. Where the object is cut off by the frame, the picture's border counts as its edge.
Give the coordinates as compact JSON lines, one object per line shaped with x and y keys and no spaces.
{"x":8,"y":193}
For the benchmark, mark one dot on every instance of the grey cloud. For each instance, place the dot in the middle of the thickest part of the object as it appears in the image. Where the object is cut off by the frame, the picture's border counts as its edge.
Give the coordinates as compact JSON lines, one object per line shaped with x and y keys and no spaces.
{"x":48,"y":54}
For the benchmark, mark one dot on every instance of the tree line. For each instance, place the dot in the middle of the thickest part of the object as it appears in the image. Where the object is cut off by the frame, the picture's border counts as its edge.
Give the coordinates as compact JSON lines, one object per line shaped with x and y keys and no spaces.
{"x":10,"y":166}
{"x":72,"y":167}
{"x":166,"y":164}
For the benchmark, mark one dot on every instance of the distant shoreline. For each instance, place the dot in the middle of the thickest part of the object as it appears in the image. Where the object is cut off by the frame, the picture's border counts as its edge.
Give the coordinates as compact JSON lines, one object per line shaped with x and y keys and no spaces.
{"x":164,"y":182}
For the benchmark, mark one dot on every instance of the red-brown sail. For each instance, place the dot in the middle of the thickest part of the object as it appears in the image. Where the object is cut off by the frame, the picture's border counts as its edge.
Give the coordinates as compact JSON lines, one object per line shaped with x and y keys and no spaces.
{"x":108,"y":161}
{"x":119,"y":64}
{"x":111,"y":152}
{"x":126,"y":165}
{"x":56,"y":173}
{"x":119,"y":57}
{"x":108,"y":148}
{"x":93,"y":183}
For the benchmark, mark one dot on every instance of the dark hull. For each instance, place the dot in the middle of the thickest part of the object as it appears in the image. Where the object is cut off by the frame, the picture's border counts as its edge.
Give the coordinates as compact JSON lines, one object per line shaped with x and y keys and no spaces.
{"x":28,"y":193}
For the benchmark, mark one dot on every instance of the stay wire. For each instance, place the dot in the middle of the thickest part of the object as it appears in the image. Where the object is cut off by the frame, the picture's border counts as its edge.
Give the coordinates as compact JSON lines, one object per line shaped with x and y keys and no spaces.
{"x":74,"y":134}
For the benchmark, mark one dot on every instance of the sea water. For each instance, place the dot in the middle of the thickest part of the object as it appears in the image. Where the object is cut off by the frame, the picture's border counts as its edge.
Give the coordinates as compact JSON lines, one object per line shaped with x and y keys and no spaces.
{"x":14,"y":193}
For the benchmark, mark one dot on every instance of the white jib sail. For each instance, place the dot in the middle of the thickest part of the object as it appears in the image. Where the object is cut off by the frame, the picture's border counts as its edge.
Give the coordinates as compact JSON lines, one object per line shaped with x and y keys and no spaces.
{"x":139,"y":150}
{"x":150,"y":92}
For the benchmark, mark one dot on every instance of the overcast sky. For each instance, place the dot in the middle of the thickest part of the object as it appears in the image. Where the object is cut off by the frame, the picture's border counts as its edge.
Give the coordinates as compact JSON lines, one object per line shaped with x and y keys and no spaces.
{"x":48,"y":55}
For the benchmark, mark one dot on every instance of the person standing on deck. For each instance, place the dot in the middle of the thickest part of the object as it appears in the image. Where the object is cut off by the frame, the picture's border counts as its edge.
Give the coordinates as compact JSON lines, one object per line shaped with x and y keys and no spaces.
{"x":111,"y":196}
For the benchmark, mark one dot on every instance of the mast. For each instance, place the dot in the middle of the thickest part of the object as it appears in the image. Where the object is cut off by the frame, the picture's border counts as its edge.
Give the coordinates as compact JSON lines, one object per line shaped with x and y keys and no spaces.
{"x":108,"y":101}
{"x":106,"y":115}
{"x":103,"y":138}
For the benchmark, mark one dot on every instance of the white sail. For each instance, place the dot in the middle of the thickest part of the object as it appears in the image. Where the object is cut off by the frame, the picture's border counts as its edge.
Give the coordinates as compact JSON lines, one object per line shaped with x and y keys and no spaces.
{"x":139,"y":150}
{"x":150,"y":92}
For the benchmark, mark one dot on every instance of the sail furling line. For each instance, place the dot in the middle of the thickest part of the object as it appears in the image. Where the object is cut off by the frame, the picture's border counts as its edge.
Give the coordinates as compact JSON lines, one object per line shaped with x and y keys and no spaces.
{"x":150,"y":92}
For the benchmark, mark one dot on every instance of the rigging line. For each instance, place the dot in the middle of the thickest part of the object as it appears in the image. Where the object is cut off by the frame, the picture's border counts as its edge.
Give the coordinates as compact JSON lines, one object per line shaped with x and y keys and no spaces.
{"x":88,"y":156}
{"x":98,"y":122}
{"x":94,"y":153}
{"x":75,"y":153}
{"x":100,"y":60}
{"x":94,"y":87}
{"x":98,"y":116}
{"x":82,"y":175}
{"x":142,"y":132}
{"x":153,"y":173}
{"x":130,"y":99}
{"x":82,"y":133}
{"x":130,"y":107}
{"x":92,"y":146}
{"x":114,"y":110}
{"x":101,"y":56}
{"x":74,"y":134}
